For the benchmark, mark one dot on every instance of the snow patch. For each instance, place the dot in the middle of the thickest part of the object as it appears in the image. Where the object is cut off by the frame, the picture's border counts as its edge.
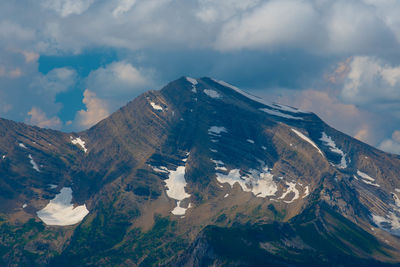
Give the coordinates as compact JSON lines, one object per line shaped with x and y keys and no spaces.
{"x":250,"y":96}
{"x":78,"y":141}
{"x":161,"y":169}
{"x":219,"y":165}
{"x":366,"y":178}
{"x":305,"y":138}
{"x":306,"y":191}
{"x":260,"y":183}
{"x":193,"y":82}
{"x":178,"y":210}
{"x":389,"y":223}
{"x":175,"y":185}
{"x":226,"y":195}
{"x":396,"y":200}
{"x":289,"y":108}
{"x":258,"y":99}
{"x":280,"y":114}
{"x":217,"y":130}
{"x":34,"y":165}
{"x":370,"y":183}
{"x":211,"y":93}
{"x":332,"y":147}
{"x":22,"y":145}
{"x":24,"y":206}
{"x":218,"y":162}
{"x":60,"y":210}
{"x":291,"y":188}
{"x":155,"y":106}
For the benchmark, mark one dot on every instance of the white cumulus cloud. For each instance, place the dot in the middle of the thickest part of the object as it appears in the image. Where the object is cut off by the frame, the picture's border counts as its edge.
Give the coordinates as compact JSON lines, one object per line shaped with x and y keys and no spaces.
{"x":119,"y":80}
{"x":391,"y":145}
{"x":371,"y":81}
{"x":96,"y":110}
{"x":39,"y":118}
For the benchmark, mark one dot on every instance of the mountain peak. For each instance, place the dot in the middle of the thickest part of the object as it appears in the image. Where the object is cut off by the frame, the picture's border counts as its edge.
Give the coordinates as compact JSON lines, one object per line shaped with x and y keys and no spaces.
{"x":206,"y":88}
{"x":201,"y":169}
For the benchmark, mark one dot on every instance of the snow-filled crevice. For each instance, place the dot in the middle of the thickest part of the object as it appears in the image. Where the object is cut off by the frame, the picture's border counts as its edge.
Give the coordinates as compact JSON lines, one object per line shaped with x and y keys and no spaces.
{"x":33,"y":163}
{"x":280,"y":114}
{"x":308,"y":140}
{"x":327,"y":140}
{"x":273,"y":106}
{"x":79,"y":142}
{"x":366,"y":178}
{"x":22,"y":145}
{"x":215,"y":132}
{"x":193,"y":82}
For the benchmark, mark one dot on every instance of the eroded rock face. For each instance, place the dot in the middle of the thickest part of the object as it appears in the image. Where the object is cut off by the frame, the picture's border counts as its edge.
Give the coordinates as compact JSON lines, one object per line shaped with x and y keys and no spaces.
{"x":177,"y":175}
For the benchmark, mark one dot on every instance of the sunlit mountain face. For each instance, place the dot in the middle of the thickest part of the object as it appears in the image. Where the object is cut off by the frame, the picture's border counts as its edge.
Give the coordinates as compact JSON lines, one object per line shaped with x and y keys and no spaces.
{"x":198,"y":173}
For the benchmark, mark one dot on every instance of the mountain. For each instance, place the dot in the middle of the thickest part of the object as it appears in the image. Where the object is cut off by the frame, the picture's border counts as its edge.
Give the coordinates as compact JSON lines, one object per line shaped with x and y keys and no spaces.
{"x":199,"y":173}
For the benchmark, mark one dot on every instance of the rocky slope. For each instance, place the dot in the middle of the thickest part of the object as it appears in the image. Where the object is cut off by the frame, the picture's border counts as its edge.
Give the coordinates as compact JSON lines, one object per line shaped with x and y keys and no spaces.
{"x":199,"y":173}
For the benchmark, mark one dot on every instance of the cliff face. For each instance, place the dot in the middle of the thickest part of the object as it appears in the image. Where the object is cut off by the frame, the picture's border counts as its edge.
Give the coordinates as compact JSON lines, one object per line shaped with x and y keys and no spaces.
{"x":199,"y":173}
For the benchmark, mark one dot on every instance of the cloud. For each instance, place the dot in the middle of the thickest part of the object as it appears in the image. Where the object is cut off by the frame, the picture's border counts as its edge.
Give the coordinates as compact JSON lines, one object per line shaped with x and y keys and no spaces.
{"x":119,"y":80}
{"x":12,"y":31}
{"x":356,"y":27}
{"x":56,"y":81}
{"x":96,"y":110}
{"x":364,"y":134}
{"x":68,"y":7}
{"x":334,"y":27}
{"x":211,"y":11}
{"x":30,"y":56}
{"x":15,"y":73}
{"x":10,"y":73}
{"x":372,"y":82}
{"x":275,"y":23}
{"x":388,"y":11}
{"x":391,"y":145}
{"x":39,"y":118}
{"x":396,"y":136}
{"x":123,"y":7}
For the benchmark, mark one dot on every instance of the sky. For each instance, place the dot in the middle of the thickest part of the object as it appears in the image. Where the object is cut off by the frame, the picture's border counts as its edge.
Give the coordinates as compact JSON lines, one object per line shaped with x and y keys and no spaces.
{"x":67,"y":64}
